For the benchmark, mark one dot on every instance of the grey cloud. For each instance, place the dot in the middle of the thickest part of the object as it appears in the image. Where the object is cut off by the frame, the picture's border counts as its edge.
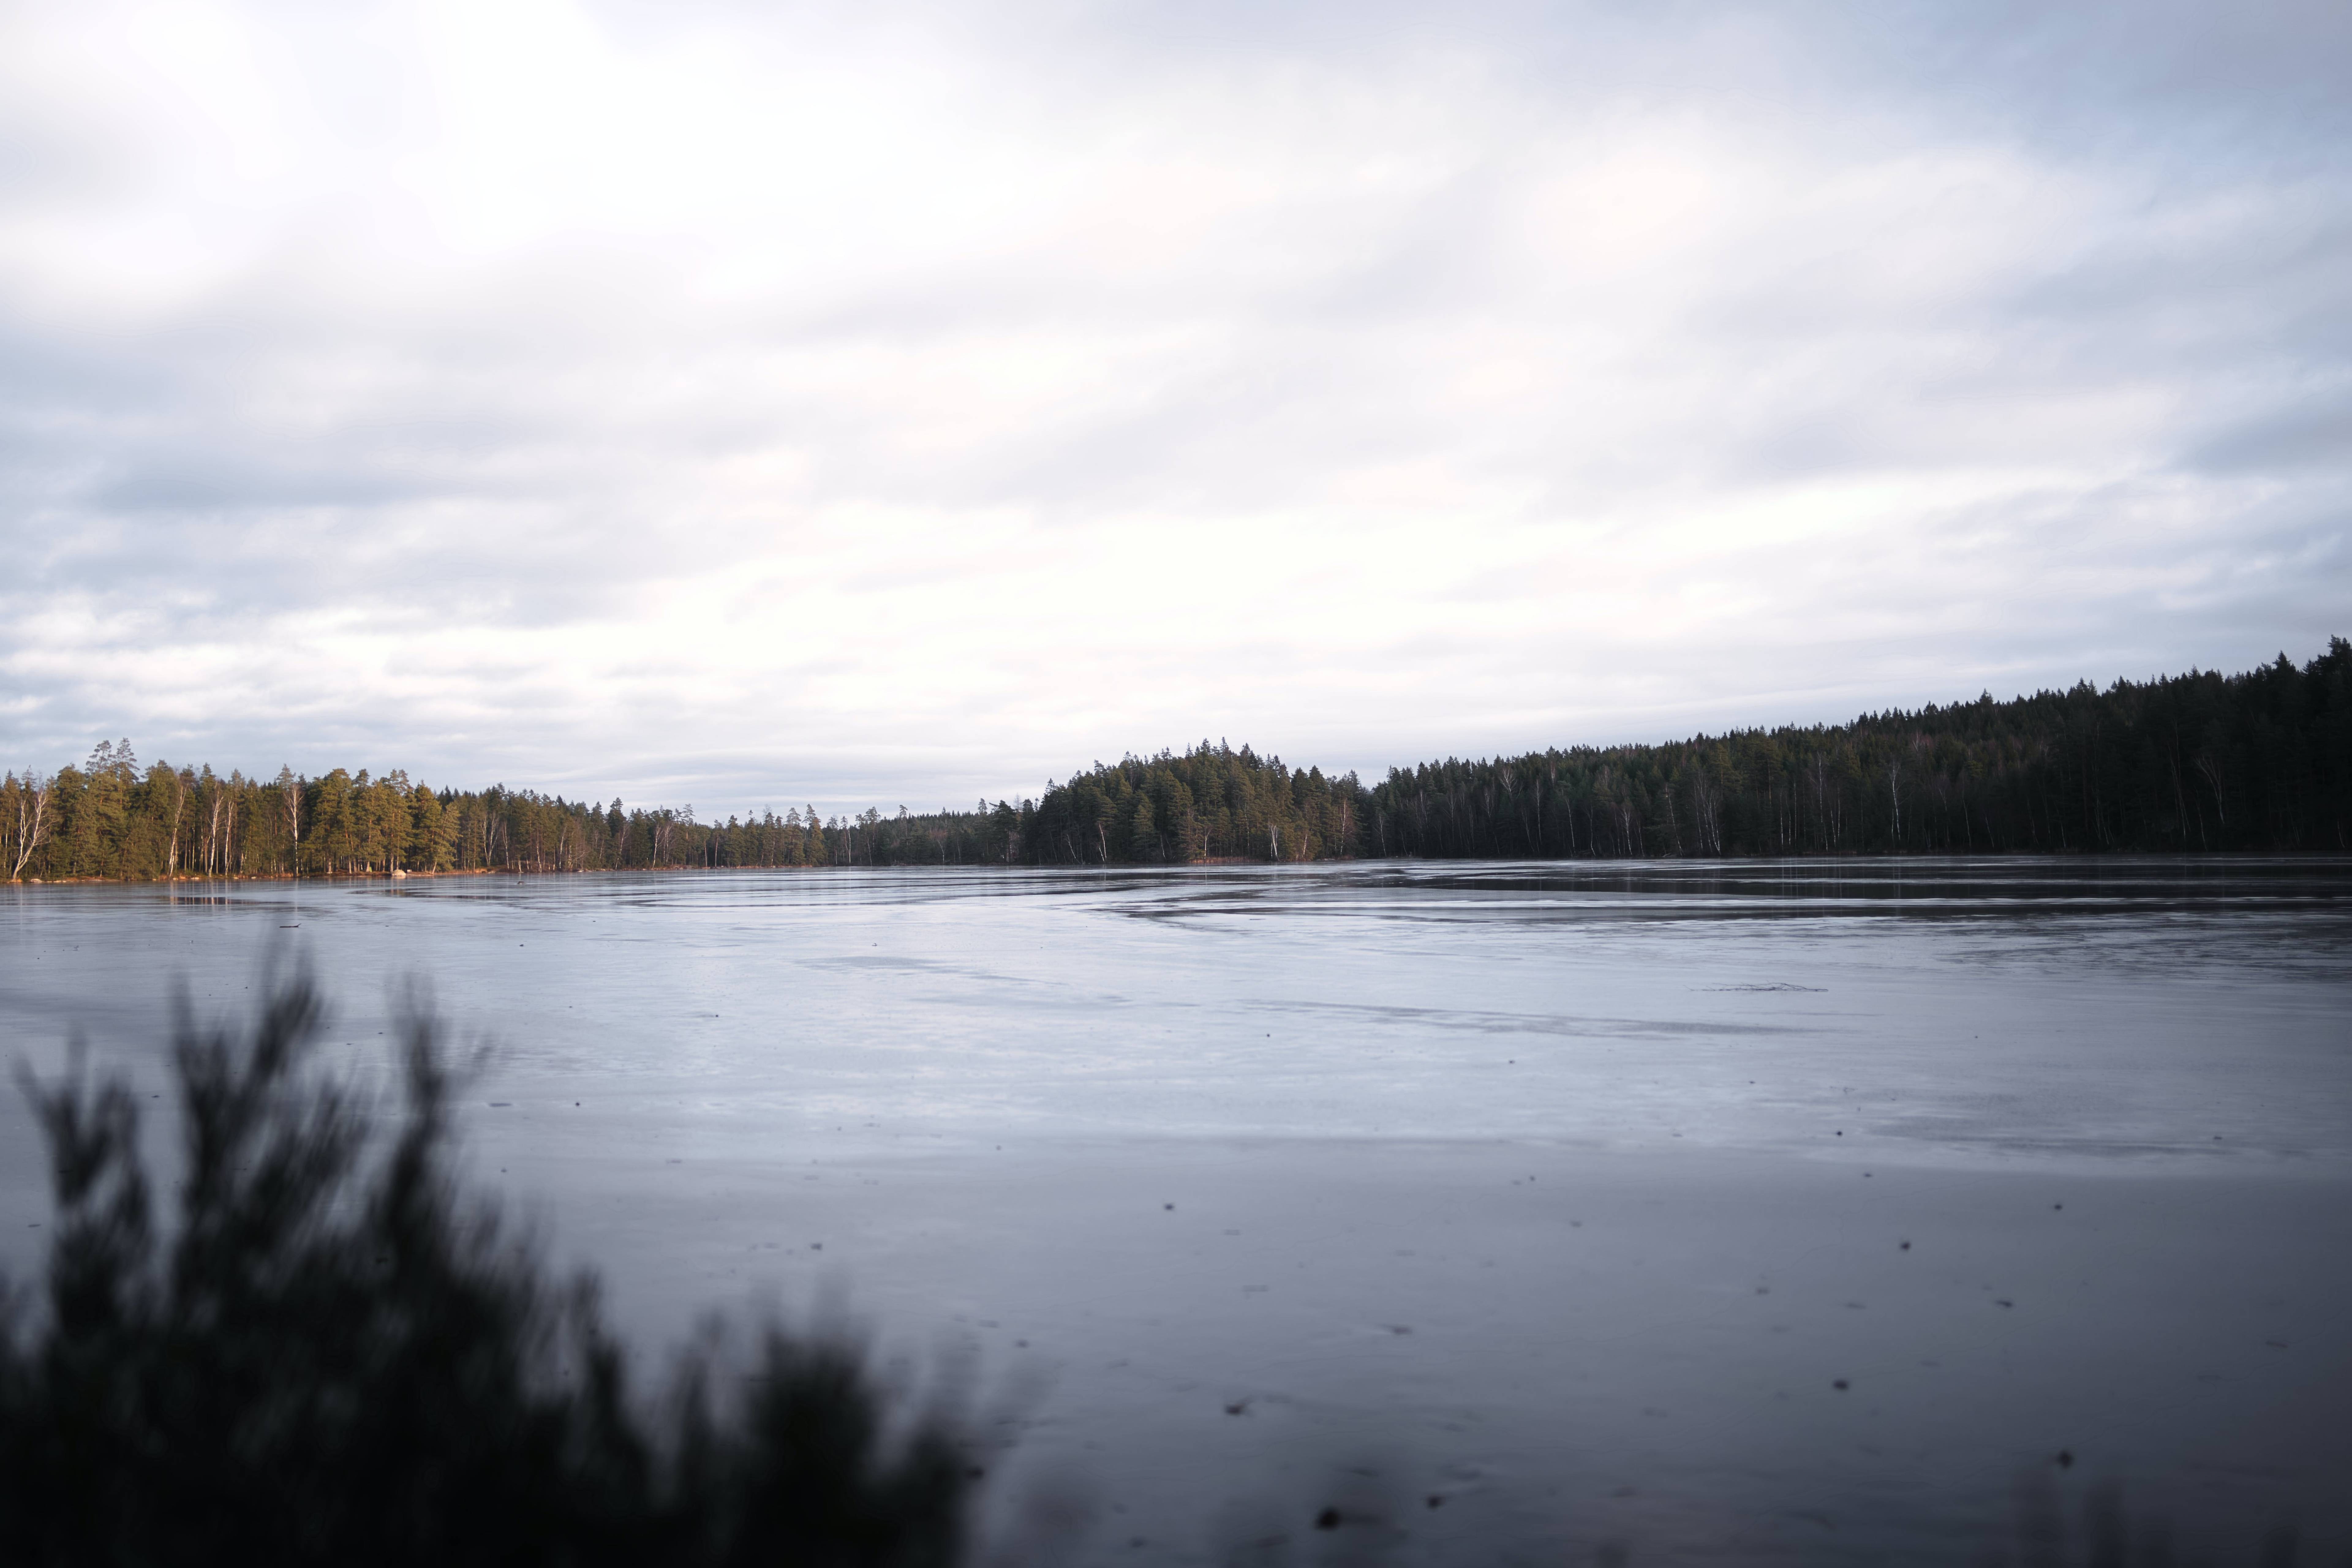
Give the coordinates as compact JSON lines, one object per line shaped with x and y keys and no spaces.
{"x":2295,"y":437}
{"x":2260,"y":77}
{"x":528,"y":447}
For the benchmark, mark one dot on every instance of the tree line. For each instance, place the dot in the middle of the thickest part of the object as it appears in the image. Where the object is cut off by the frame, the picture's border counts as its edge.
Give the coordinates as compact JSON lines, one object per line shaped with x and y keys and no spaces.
{"x":2202,"y":762}
{"x":1212,"y":803}
{"x":2195,"y":762}
{"x":112,"y":818}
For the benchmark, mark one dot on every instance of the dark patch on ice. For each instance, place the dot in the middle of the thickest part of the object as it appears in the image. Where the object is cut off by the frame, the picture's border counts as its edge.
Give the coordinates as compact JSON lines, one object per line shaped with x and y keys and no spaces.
{"x":1528,"y":1023}
{"x":893,"y":962}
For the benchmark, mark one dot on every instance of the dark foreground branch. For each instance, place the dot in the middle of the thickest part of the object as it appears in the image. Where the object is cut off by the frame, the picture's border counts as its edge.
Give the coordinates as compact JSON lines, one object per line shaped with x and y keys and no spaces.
{"x":330,"y":1356}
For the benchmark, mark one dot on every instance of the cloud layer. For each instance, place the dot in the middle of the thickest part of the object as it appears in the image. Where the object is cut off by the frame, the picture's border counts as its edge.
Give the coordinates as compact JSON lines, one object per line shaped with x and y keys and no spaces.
{"x":751,"y":403}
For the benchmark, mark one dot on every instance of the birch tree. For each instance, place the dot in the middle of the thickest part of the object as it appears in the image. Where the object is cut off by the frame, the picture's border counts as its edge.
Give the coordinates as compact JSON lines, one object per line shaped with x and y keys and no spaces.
{"x":32,"y":823}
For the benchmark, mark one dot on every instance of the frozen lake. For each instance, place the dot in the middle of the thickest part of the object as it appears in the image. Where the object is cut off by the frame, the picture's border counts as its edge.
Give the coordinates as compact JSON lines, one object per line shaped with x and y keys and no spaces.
{"x":1703,"y":1211}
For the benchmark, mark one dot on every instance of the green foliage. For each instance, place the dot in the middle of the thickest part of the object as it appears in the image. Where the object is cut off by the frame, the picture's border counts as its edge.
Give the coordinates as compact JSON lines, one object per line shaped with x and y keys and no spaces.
{"x":1210,"y":802}
{"x":2199,"y":762}
{"x":105,"y":821}
{"x":334,"y":1358}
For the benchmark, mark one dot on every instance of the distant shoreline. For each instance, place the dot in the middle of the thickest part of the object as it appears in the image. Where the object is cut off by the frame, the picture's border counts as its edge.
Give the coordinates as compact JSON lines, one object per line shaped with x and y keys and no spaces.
{"x":1843,"y":857}
{"x":2195,"y":764}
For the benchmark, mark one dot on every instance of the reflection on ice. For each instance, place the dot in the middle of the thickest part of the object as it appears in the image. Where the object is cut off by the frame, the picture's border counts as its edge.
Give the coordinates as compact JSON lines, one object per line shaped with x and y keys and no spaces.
{"x":2032,"y":1156}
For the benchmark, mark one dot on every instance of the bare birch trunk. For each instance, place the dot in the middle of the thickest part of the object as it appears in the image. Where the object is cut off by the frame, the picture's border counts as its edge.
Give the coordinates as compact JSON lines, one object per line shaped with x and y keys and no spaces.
{"x":32,"y":821}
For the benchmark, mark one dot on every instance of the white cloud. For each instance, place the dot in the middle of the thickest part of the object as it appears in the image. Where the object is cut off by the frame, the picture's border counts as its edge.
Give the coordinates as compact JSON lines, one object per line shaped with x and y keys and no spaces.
{"x":782,"y":404}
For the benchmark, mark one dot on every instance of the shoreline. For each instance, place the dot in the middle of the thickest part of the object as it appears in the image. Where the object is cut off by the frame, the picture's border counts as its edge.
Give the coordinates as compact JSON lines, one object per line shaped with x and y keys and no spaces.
{"x":2196,"y":856}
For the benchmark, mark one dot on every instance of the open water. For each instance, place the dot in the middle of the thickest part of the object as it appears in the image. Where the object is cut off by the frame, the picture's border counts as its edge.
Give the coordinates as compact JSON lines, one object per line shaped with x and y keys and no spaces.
{"x":1688,"y":1212}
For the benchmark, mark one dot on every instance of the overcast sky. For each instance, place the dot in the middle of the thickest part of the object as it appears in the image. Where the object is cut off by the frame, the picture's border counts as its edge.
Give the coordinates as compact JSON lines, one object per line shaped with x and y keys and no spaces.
{"x":753,"y":403}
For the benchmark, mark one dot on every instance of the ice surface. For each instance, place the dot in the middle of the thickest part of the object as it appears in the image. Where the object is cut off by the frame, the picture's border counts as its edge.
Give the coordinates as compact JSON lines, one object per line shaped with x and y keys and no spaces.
{"x":1565,"y":1194}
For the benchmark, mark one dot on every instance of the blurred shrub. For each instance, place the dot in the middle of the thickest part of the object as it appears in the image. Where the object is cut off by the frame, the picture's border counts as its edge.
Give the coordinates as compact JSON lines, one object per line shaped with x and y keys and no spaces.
{"x":332,"y":1356}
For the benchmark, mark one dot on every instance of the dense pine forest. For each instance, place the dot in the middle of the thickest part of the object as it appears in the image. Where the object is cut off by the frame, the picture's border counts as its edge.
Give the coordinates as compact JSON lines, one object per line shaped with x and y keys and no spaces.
{"x":2196,"y":763}
{"x":2200,"y":761}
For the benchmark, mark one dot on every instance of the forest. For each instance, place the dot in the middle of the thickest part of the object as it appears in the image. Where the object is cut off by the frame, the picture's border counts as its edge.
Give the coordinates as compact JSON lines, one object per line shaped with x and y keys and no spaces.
{"x":110,"y":818}
{"x":2191,"y":763}
{"x":2194,"y":763}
